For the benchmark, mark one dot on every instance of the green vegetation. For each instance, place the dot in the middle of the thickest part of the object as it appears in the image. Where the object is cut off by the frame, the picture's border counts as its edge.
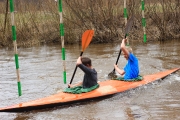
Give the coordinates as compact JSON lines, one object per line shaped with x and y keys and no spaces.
{"x":37,"y":22}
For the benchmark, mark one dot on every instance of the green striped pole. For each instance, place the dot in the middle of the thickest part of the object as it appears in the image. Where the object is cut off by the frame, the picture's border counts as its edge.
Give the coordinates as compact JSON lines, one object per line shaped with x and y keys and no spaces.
{"x":125,"y":18}
{"x":62,"y":38}
{"x":15,"y":46}
{"x":125,"y":12}
{"x":143,"y":20}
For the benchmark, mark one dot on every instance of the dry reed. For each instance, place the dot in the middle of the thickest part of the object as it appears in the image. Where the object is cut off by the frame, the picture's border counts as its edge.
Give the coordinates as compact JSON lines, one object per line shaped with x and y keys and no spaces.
{"x":37,"y":21}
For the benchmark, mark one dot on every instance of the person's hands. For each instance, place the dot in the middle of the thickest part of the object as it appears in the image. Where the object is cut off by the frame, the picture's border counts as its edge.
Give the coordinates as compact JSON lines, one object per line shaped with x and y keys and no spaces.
{"x":124,"y":40}
{"x":69,"y":85}
{"x":79,"y":61}
{"x":115,"y":66}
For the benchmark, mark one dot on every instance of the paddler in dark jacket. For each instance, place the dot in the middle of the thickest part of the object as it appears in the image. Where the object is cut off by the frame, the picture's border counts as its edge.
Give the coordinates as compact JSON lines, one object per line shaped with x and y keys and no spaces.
{"x":131,"y":70}
{"x":90,"y":76}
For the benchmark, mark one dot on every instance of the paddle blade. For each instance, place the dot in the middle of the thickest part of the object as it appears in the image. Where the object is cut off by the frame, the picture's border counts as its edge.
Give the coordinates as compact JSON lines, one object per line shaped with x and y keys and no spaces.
{"x":86,"y":38}
{"x":112,"y":75}
{"x":129,"y":25}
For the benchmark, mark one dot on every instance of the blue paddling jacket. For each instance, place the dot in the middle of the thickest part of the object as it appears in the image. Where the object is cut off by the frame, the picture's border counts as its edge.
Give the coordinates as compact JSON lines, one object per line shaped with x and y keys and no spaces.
{"x":132,"y":67}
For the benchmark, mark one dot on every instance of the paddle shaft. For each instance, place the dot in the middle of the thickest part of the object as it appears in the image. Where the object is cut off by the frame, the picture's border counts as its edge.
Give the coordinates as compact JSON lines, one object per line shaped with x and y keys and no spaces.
{"x":127,"y":29}
{"x":75,"y":70}
{"x":119,"y":55}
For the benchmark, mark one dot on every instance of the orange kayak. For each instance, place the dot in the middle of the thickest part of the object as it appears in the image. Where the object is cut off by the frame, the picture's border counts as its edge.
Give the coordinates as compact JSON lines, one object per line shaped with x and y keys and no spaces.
{"x":108,"y":87}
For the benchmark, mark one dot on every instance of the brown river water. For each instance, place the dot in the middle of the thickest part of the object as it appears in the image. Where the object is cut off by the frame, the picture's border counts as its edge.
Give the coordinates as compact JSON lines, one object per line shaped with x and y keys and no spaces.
{"x":41,"y":75}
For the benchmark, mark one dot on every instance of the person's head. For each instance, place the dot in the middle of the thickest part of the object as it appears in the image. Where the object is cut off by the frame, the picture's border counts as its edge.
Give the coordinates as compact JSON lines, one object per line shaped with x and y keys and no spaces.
{"x":86,"y":61}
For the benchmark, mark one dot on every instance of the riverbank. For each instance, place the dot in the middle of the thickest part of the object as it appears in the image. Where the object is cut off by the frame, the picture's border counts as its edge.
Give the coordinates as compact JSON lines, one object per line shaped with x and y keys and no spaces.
{"x":37,"y":22}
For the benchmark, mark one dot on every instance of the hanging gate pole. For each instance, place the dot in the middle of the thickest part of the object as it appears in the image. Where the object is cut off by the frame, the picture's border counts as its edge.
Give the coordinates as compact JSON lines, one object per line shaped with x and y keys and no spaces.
{"x":125,"y":18}
{"x":62,"y":38}
{"x":143,"y":20}
{"x":15,"y":46}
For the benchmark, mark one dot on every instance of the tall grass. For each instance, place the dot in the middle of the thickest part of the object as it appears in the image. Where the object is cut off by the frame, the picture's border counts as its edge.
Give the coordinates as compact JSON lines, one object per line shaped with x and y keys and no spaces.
{"x":37,"y":21}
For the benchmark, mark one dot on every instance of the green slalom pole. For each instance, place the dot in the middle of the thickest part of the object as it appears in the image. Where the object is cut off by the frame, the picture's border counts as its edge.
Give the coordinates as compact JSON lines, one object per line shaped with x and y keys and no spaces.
{"x":125,"y":12}
{"x":125,"y":18}
{"x":143,"y":20}
{"x":15,"y":46}
{"x":62,"y":38}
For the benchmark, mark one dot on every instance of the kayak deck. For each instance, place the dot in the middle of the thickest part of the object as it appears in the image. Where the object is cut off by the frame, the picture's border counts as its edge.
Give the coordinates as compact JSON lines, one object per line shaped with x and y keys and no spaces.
{"x":106,"y":88}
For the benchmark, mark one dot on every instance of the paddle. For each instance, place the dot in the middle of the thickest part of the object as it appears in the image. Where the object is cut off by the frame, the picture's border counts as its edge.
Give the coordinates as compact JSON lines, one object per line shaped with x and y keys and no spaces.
{"x":86,"y":39}
{"x":127,"y":29}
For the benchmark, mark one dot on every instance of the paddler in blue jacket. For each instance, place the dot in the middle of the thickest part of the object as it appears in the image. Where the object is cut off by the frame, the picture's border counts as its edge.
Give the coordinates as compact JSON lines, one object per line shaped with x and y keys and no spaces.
{"x":131,"y":70}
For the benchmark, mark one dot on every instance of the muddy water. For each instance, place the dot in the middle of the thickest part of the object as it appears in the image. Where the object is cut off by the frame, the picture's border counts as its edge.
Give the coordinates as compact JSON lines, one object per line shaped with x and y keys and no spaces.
{"x":41,"y":75}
